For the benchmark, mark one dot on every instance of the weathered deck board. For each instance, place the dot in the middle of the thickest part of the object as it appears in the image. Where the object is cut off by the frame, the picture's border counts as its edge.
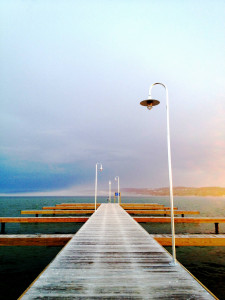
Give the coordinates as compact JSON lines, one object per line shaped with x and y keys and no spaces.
{"x":112,"y":257}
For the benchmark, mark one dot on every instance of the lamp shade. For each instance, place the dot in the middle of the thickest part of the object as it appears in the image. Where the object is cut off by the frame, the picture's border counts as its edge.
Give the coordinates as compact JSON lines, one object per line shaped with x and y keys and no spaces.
{"x":149,"y":102}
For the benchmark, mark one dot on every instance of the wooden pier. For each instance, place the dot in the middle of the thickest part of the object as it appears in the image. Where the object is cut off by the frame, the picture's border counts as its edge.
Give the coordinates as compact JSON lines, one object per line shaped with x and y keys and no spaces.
{"x":113,"y":257}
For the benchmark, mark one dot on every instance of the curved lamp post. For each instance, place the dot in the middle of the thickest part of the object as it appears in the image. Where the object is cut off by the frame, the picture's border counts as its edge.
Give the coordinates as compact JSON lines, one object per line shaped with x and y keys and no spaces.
{"x":118,"y":179}
{"x":96,"y":181}
{"x":150,"y":103}
{"x":109,"y":191}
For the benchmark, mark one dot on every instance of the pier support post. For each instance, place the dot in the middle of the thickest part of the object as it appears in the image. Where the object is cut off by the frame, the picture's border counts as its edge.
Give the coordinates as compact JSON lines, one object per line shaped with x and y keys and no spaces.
{"x":2,"y":228}
{"x":217,"y":228}
{"x":37,"y":215}
{"x":182,"y":215}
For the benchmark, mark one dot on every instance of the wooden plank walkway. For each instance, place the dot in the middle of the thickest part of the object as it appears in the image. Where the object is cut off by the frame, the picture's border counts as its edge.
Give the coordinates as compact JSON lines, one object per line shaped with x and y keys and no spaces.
{"x":113,"y":257}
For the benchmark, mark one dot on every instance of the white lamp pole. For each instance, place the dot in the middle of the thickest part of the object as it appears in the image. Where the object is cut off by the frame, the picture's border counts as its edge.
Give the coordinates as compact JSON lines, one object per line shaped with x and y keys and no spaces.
{"x":150,"y":103}
{"x":96,"y":181}
{"x":118,"y":179}
{"x":109,"y":191}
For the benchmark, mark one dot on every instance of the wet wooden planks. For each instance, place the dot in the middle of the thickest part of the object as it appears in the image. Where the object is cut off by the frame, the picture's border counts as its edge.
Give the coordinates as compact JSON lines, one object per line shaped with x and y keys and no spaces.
{"x":113,"y":257}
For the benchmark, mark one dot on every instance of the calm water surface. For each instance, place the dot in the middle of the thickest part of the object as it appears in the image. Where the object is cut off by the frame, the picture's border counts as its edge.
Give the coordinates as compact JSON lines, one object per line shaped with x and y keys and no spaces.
{"x":21,"y":265}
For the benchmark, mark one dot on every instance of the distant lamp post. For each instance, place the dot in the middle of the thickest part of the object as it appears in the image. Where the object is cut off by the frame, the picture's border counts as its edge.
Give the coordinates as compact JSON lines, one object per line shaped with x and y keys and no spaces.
{"x":150,"y":103}
{"x":109,"y":191}
{"x":96,"y":181}
{"x":118,"y":179}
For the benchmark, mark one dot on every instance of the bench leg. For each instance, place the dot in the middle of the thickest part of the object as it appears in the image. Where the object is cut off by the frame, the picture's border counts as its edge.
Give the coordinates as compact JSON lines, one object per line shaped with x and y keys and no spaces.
{"x":217,"y":228}
{"x":2,"y":228}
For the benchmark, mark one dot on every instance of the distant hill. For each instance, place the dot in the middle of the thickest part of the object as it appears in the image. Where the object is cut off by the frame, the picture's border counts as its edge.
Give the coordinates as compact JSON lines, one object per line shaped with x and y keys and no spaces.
{"x":178,"y":191}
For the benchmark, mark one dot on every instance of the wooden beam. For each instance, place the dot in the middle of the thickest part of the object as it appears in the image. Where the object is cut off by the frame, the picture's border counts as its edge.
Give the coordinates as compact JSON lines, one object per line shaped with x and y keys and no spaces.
{"x":4,"y":220}
{"x":56,"y":212}
{"x":137,"y":212}
{"x":43,"y":219}
{"x":87,"y":208}
{"x":76,"y":206}
{"x":191,"y":239}
{"x":178,"y":220}
{"x":161,"y":212}
{"x":141,"y":206}
{"x":123,"y":205}
{"x":216,"y":221}
{"x":35,"y":239}
{"x":84,"y":206}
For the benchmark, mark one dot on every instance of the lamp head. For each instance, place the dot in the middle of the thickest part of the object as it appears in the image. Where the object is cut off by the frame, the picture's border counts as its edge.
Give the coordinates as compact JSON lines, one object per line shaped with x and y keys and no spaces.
{"x":149,"y":103}
{"x":101,"y":168}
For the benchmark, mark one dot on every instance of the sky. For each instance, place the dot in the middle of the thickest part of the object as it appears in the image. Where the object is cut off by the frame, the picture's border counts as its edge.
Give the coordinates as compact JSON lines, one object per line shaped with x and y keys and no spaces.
{"x":72,"y":75}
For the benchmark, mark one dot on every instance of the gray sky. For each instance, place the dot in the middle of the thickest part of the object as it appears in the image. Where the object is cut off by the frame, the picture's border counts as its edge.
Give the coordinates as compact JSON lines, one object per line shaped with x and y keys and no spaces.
{"x":73,"y":74}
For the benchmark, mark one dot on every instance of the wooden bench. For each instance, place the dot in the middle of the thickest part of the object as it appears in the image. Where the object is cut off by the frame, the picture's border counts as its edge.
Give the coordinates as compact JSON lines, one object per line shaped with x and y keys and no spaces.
{"x":216,"y":221}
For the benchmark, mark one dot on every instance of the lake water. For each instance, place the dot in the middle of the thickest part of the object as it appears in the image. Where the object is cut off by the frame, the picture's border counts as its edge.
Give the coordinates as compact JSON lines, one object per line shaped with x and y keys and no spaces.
{"x":21,"y":265}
